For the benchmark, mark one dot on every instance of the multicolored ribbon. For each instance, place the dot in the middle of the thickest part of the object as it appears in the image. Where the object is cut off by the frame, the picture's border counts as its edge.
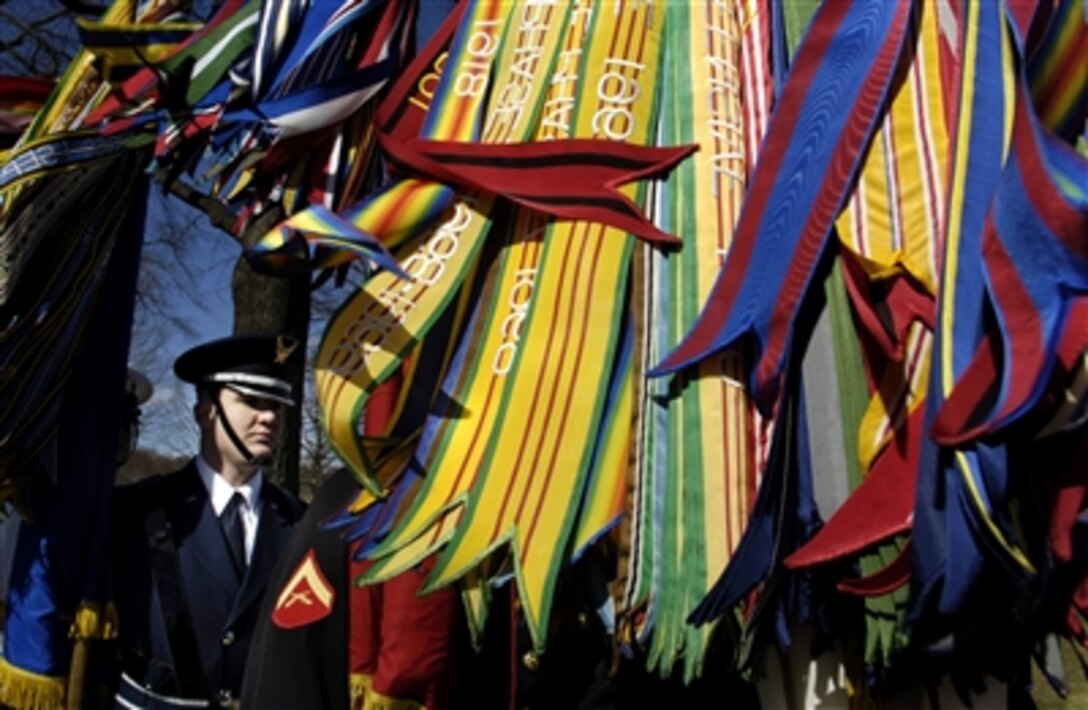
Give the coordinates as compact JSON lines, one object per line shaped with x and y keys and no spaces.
{"x":401,"y":210}
{"x":892,"y":223}
{"x":64,"y":215}
{"x":20,"y":100}
{"x":1035,"y":254}
{"x":455,"y":437}
{"x":47,"y":316}
{"x":782,"y":517}
{"x":697,"y":460}
{"x":847,"y":58}
{"x":537,"y":461}
{"x":566,"y":178}
{"x":125,"y":46}
{"x":952,"y":502}
{"x":302,"y":78}
{"x":1057,"y":73}
{"x":367,"y":339}
{"x":190,"y":73}
{"x":604,"y":497}
{"x":57,"y":152}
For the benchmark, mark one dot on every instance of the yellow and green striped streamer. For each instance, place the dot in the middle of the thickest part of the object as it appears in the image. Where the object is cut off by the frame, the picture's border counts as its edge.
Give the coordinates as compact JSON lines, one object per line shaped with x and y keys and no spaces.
{"x":541,"y":47}
{"x":368,"y":338}
{"x":700,"y":458}
{"x":537,"y":460}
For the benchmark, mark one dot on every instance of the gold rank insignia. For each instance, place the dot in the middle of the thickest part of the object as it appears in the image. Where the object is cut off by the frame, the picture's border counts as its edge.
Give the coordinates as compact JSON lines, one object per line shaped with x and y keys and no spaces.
{"x":307,"y":597}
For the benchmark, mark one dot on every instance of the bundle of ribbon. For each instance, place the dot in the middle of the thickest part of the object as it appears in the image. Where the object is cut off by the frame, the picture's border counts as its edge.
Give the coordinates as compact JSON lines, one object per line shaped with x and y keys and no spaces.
{"x":892,"y":379}
{"x":887,"y":175}
{"x":70,"y":242}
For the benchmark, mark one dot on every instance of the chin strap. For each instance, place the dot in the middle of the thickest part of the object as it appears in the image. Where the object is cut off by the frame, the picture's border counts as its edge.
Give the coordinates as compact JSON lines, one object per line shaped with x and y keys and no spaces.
{"x":245,"y":452}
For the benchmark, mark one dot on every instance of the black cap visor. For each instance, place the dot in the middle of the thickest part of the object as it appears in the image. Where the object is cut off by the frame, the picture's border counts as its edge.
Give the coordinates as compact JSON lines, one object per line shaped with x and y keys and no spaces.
{"x":254,"y":385}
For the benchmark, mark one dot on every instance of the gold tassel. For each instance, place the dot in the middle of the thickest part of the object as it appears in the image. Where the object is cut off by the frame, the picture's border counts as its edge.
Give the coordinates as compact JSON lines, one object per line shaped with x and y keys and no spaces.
{"x":358,"y":685}
{"x":92,"y":623}
{"x":364,"y":697}
{"x":377,"y":701}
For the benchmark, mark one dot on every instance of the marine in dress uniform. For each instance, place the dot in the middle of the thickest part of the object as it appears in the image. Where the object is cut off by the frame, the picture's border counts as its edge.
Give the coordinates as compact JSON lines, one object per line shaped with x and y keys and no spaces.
{"x":300,"y":643}
{"x":194,"y":549}
{"x":323,"y":642}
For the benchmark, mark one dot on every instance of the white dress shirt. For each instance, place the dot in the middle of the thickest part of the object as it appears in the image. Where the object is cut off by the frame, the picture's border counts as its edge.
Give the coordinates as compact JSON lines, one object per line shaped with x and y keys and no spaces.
{"x":220,"y":492}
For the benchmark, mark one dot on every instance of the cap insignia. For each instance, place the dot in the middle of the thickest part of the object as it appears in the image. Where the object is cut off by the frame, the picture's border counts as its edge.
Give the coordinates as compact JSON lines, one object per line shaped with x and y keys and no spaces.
{"x":284,"y":350}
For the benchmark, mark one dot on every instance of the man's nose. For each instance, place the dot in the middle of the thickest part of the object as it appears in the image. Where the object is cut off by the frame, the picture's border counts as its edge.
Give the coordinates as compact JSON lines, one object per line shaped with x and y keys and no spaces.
{"x":270,"y":415}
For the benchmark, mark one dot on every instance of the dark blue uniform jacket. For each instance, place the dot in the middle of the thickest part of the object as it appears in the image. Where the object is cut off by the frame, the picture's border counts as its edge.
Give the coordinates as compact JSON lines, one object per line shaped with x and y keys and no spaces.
{"x":186,"y":632}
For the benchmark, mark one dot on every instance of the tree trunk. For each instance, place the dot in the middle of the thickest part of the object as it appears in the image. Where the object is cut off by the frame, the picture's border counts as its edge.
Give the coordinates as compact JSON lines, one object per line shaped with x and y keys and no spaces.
{"x":276,"y":304}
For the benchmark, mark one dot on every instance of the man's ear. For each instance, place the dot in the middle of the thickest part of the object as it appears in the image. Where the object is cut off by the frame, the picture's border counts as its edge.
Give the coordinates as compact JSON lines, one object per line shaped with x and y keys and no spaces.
{"x":204,"y":412}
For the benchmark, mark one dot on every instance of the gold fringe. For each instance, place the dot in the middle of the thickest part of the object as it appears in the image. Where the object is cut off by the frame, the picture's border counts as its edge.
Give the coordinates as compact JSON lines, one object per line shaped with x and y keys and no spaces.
{"x":358,"y":685}
{"x":92,"y":623}
{"x":363,"y":695}
{"x":30,"y":691}
{"x":377,"y":701}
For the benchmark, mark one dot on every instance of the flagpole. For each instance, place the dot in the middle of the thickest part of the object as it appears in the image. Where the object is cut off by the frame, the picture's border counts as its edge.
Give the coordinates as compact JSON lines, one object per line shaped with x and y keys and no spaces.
{"x":77,"y":677}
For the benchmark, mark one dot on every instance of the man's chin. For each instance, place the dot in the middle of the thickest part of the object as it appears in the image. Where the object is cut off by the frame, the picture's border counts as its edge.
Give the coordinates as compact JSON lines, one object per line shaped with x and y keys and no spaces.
{"x":262,"y":454}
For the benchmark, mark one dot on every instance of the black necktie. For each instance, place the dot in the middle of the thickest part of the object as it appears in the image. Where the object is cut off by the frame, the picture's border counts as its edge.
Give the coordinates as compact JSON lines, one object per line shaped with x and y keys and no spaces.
{"x":234,"y":530}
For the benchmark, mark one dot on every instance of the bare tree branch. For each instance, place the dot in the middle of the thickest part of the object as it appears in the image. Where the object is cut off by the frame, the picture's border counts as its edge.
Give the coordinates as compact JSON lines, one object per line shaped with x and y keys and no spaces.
{"x":219,"y":214}
{"x":39,"y":41}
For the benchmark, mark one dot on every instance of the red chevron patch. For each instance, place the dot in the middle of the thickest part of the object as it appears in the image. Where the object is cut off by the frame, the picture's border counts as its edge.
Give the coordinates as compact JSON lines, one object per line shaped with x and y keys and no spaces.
{"x":307,"y":597}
